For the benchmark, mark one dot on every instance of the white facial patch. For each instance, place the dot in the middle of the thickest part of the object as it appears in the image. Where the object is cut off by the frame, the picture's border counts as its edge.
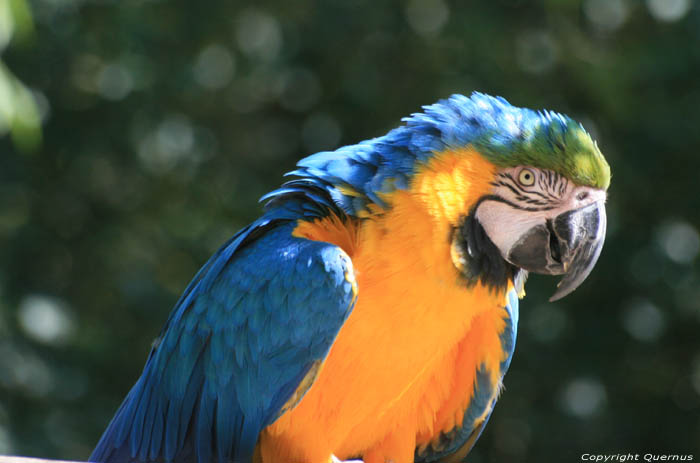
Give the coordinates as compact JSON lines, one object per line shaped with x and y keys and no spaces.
{"x":519,"y":203}
{"x":504,"y":224}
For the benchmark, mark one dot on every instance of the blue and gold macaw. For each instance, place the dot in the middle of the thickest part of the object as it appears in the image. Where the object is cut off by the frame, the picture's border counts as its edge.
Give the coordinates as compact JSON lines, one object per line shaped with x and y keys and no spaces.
{"x":371,"y":312}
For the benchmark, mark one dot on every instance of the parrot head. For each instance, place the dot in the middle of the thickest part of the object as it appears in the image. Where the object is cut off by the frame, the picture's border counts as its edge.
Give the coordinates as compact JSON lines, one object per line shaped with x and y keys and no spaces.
{"x":545,"y":210}
{"x":540,"y":201}
{"x":543,"y":223}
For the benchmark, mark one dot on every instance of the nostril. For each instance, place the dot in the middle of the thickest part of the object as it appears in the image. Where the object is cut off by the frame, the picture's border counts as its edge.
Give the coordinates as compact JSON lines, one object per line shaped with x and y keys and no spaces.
{"x":582,"y":195}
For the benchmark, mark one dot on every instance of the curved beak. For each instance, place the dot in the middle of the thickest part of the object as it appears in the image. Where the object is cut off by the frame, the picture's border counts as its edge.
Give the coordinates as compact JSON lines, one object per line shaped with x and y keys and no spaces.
{"x":568,"y":245}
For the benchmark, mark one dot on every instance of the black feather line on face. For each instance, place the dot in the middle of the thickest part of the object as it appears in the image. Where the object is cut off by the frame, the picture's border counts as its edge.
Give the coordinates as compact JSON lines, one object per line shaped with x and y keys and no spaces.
{"x":483,"y":260}
{"x":515,"y":205}
{"x":551,"y":184}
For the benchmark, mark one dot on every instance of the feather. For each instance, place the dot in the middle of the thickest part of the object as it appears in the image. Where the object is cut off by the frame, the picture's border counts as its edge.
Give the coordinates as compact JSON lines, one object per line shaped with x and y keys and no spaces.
{"x":195,"y":395}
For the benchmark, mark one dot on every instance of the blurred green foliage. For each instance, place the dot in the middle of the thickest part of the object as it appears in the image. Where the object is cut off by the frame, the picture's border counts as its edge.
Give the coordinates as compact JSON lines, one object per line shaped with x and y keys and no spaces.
{"x":18,"y":110}
{"x":163,"y":122}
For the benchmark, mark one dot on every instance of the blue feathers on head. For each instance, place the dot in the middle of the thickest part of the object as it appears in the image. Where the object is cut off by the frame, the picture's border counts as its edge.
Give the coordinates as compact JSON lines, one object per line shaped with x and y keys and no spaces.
{"x":355,"y":175}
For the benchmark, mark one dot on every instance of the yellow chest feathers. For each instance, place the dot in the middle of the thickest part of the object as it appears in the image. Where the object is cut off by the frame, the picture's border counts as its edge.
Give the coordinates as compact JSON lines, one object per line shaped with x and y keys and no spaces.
{"x":403,"y":366}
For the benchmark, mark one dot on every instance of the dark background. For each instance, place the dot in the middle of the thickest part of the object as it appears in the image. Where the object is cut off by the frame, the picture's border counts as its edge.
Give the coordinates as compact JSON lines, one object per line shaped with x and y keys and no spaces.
{"x":141,"y":133}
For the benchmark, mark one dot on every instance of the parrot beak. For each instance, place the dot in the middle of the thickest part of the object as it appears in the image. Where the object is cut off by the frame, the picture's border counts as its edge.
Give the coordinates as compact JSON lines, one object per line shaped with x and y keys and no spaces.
{"x":568,"y":245}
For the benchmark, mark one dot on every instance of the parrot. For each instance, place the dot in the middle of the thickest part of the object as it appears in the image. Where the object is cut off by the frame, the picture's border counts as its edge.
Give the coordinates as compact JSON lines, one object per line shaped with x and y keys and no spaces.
{"x":371,"y":311}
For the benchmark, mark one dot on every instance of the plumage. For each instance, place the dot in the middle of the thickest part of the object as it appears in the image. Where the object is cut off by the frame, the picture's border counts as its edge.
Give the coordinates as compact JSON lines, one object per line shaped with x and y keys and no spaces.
{"x":194,"y":368}
{"x":372,"y":310}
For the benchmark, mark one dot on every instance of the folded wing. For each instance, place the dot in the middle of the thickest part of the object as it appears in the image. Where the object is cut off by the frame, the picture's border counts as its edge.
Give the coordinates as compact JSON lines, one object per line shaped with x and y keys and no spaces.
{"x":258,"y":317}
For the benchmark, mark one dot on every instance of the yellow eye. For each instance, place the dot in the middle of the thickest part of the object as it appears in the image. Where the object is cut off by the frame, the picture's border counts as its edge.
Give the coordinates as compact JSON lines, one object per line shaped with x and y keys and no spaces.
{"x":526,"y":177}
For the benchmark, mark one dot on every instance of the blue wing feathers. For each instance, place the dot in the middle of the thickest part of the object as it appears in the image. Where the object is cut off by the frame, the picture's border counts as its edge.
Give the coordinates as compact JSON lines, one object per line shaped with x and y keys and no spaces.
{"x":510,"y":331}
{"x":171,"y":432}
{"x":143,"y":403}
{"x":203,"y":441}
{"x":156,"y":431}
{"x":189,"y":403}
{"x":247,"y":329}
{"x":147,"y":433}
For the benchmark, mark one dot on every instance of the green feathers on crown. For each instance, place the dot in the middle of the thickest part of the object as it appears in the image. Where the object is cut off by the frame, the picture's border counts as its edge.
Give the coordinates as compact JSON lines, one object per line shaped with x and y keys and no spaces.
{"x":562,"y":146}
{"x":510,"y":136}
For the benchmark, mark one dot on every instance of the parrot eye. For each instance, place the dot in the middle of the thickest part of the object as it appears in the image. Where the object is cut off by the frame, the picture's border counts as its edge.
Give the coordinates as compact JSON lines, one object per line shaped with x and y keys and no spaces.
{"x":526,"y":177}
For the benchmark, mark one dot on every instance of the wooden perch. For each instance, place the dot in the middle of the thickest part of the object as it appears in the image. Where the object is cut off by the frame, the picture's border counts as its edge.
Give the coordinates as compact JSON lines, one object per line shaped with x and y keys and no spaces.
{"x":10,"y":459}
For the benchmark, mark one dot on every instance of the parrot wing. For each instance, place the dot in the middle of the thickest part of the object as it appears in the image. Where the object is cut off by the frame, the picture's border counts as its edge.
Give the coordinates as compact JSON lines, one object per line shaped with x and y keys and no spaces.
{"x":242,"y":345}
{"x":455,"y":445}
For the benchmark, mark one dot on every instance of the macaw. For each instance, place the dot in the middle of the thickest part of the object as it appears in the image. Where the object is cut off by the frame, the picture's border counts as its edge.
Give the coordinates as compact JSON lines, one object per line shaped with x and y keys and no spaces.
{"x":371,"y":312}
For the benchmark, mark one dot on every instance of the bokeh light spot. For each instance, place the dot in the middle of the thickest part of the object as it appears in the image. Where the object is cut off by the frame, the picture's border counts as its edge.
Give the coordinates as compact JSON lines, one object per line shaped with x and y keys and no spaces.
{"x":45,"y":319}
{"x":427,"y":17}
{"x":114,"y":82}
{"x":583,"y":397}
{"x":214,"y":67}
{"x":175,"y":134}
{"x":536,"y":52}
{"x":5,"y":441}
{"x":680,"y":241}
{"x":25,"y":371}
{"x":606,"y":14}
{"x":668,"y":10}
{"x":7,"y":24}
{"x":643,"y":320}
{"x":170,"y":143}
{"x":258,"y":34}
{"x":42,"y":104}
{"x":695,"y":373}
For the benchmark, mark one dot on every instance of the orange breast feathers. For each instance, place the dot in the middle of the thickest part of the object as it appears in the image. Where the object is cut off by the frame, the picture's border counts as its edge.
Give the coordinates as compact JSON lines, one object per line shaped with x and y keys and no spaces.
{"x":403,"y":366}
